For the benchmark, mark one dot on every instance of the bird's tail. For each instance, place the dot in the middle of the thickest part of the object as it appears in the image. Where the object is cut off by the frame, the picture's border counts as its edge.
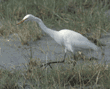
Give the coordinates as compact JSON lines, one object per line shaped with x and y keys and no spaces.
{"x":93,"y":46}
{"x":87,"y":45}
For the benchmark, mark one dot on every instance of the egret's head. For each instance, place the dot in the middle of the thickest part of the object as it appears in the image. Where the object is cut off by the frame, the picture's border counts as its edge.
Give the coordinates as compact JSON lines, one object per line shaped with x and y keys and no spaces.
{"x":28,"y":17}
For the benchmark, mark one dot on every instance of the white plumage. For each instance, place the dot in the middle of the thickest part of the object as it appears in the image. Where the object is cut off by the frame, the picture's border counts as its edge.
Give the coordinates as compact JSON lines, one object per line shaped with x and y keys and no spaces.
{"x":67,"y":38}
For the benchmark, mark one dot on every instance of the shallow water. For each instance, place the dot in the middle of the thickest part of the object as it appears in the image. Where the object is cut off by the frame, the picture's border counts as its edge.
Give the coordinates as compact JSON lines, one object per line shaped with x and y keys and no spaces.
{"x":12,"y":52}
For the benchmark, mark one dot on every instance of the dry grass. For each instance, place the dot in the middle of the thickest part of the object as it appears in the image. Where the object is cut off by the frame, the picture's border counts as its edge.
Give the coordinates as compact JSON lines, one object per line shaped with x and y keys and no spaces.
{"x":81,"y":75}
{"x":26,"y":32}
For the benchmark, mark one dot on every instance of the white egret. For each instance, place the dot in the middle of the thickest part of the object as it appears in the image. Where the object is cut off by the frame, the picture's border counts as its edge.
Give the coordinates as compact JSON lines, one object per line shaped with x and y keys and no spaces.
{"x":67,"y":38}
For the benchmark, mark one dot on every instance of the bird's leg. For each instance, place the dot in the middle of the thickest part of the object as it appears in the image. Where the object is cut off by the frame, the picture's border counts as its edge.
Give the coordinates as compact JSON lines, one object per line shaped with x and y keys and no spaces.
{"x":46,"y":64}
{"x":63,"y":59}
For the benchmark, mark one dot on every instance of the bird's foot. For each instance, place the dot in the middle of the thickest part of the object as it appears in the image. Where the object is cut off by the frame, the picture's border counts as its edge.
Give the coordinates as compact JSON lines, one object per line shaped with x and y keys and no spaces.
{"x":48,"y":64}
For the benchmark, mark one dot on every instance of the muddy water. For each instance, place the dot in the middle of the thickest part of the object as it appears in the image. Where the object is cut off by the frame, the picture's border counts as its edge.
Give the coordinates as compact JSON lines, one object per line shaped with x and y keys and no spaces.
{"x":12,"y":52}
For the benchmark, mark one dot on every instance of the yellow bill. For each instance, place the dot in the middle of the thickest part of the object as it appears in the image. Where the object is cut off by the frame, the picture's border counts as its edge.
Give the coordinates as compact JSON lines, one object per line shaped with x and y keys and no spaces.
{"x":20,"y":22}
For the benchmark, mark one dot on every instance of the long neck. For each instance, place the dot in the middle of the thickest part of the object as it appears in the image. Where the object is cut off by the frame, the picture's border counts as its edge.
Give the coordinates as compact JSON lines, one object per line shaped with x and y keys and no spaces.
{"x":49,"y":31}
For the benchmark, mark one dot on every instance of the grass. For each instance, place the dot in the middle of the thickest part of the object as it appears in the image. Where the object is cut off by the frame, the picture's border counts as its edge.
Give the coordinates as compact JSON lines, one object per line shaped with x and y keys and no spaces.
{"x":83,"y":16}
{"x":60,"y":76}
